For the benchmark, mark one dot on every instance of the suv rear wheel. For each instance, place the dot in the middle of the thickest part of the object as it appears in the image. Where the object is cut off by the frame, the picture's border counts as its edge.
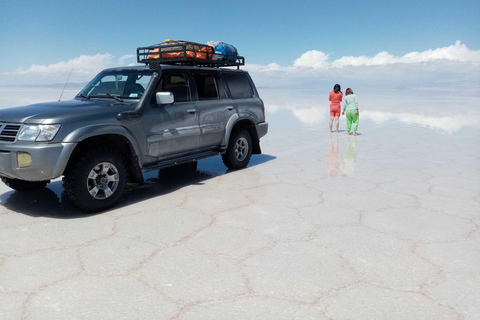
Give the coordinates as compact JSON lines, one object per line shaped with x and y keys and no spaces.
{"x":239,"y":149}
{"x":97,"y":181}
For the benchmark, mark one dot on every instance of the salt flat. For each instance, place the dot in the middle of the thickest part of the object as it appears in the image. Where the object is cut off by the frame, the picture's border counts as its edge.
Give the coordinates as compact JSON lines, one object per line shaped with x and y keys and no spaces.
{"x":385,"y":225}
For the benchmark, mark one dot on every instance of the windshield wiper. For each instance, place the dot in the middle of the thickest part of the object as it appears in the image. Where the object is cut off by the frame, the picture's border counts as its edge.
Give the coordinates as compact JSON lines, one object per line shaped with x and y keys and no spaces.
{"x":111,"y":96}
{"x":83,"y":96}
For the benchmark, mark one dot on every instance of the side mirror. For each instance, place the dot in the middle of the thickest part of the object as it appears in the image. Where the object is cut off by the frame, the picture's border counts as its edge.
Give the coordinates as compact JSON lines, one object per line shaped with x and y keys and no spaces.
{"x":164,"y":97}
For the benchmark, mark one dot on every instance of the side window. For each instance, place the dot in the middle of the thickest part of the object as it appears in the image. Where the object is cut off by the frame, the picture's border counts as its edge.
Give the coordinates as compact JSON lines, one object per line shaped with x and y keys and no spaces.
{"x":175,"y":83}
{"x":238,"y":85}
{"x":177,"y":79}
{"x":206,"y":86}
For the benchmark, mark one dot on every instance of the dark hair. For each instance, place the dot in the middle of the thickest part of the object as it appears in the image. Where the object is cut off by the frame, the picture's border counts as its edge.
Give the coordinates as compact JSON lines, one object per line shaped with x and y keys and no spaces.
{"x":337,"y":88}
{"x":348,"y":91}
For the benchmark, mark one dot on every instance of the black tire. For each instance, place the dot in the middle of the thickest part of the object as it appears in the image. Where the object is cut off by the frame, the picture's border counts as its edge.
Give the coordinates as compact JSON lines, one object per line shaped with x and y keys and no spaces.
{"x":97,"y":181}
{"x":239,"y":149}
{"x":22,"y":185}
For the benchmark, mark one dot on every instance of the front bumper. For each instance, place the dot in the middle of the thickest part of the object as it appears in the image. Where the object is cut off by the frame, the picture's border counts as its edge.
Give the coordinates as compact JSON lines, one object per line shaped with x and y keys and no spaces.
{"x":48,"y":160}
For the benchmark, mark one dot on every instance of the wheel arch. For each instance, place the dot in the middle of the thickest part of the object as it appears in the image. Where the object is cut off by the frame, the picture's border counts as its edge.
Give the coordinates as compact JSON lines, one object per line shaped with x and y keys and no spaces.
{"x":246,"y":123}
{"x":113,"y":140}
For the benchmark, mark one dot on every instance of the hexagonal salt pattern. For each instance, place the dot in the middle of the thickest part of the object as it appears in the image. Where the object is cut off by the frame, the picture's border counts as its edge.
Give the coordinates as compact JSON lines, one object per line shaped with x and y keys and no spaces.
{"x":252,"y":308}
{"x":387,"y":230}
{"x":94,"y":297}
{"x":298,"y":271}
{"x":189,"y":277}
{"x":371,"y":303}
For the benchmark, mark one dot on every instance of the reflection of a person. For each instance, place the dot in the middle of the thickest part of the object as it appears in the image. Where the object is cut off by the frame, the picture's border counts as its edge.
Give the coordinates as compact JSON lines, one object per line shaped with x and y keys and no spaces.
{"x":333,"y":165}
{"x":350,"y":155}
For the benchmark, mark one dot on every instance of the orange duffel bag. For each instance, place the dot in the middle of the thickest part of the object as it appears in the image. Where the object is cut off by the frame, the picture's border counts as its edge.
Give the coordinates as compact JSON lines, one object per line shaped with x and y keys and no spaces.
{"x":198,"y":51}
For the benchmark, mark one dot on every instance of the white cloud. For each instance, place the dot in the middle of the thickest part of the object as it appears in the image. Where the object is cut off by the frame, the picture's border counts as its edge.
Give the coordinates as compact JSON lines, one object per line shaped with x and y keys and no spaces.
{"x":83,"y":64}
{"x":313,"y":58}
{"x":304,"y":107}
{"x":379,"y":81}
{"x":318,"y":60}
{"x":434,"y":112}
{"x":128,"y":59}
{"x":448,"y":124}
{"x":310,"y":115}
{"x":84,"y":68}
{"x":454,"y":59}
{"x":383,"y":58}
{"x":442,"y":72}
{"x":457,"y":52}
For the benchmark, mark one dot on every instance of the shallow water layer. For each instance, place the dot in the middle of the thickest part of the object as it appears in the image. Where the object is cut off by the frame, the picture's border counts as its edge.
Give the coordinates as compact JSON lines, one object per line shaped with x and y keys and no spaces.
{"x":382,"y":225}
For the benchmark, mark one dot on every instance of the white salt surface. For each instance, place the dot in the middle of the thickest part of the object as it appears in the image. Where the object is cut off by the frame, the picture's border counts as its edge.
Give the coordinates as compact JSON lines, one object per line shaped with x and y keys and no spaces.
{"x":384,"y":225}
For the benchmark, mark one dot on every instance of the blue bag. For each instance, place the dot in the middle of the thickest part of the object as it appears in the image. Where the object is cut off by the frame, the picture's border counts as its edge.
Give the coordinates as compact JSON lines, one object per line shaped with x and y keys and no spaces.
{"x":225,"y":52}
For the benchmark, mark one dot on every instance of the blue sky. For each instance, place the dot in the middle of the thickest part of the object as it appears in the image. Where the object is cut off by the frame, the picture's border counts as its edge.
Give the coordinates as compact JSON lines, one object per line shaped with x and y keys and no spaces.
{"x":41,"y":38}
{"x":46,"y":32}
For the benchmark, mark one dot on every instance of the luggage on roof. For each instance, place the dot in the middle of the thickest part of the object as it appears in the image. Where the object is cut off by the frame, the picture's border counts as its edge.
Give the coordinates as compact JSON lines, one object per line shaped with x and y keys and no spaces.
{"x":224,"y":51}
{"x":181,"y":52}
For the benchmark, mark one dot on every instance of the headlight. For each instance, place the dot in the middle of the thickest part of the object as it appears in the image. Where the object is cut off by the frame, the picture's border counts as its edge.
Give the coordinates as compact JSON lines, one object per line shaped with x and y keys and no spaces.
{"x":42,"y":132}
{"x":29,"y":133}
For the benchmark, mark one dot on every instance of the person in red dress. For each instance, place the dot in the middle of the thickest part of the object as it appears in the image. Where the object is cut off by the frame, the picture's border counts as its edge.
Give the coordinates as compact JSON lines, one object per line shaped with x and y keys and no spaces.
{"x":335,"y":98}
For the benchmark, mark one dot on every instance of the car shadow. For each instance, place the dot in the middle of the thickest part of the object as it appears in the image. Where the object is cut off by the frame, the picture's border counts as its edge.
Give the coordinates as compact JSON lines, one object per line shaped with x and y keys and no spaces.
{"x":52,"y":202}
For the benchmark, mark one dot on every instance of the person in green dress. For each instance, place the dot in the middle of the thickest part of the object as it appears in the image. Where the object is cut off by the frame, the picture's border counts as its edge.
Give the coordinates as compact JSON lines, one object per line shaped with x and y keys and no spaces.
{"x":350,"y":107}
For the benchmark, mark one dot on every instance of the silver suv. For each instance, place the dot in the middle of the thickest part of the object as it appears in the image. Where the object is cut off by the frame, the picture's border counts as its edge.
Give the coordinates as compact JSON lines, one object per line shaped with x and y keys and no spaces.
{"x":128,"y":121}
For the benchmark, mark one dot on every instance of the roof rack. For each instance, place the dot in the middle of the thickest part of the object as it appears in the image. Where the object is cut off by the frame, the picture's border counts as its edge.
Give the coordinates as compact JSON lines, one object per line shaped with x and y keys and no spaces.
{"x":179,"y":52}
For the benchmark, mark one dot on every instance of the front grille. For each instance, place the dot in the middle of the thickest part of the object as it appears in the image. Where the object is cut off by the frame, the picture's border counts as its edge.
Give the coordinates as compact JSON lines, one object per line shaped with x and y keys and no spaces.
{"x":9,"y":132}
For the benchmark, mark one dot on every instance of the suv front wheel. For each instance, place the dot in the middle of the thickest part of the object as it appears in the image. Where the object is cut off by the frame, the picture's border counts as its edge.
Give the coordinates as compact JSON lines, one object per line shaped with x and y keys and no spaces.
{"x":97,"y":181}
{"x":239,"y":149}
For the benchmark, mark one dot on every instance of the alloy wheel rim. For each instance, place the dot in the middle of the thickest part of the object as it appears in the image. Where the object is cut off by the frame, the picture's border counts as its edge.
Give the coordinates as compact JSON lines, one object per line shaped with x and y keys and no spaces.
{"x":241,"y":149}
{"x":103,"y":180}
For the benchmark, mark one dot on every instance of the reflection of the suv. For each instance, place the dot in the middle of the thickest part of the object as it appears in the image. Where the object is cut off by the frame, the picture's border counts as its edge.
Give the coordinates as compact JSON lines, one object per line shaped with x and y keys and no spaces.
{"x":128,"y":121}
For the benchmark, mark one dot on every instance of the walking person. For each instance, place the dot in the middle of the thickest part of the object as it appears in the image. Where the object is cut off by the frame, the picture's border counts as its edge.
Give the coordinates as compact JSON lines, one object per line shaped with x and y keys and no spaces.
{"x":335,"y":98}
{"x":350,"y":107}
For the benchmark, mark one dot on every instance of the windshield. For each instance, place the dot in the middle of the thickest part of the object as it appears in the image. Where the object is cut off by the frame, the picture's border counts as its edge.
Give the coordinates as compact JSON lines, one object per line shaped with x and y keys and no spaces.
{"x":122,"y":84}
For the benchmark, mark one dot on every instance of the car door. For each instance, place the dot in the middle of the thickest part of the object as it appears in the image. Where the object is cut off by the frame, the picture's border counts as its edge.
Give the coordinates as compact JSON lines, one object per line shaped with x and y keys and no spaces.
{"x":213,"y":107}
{"x":172,"y":129}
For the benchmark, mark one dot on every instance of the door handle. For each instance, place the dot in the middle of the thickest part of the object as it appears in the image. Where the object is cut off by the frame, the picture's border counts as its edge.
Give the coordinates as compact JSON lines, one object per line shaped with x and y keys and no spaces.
{"x":230,"y":108}
{"x":192,"y":111}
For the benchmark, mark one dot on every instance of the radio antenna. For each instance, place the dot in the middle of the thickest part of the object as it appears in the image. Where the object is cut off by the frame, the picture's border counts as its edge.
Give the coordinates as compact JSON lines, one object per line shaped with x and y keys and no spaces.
{"x":65,"y":84}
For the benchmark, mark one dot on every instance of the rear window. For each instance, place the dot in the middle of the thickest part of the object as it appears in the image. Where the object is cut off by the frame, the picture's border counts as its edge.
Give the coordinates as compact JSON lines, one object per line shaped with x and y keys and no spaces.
{"x":238,"y":85}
